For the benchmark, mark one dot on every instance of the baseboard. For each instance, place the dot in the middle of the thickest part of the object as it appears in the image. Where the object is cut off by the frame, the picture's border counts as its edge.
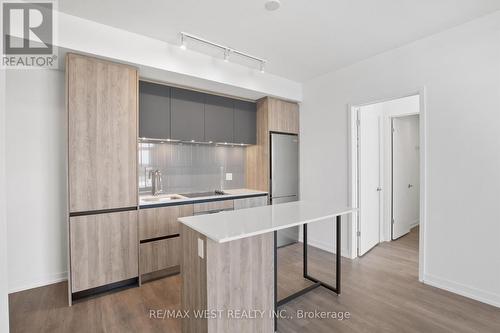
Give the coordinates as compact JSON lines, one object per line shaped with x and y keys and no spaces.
{"x":327,"y":247}
{"x":55,"y":278}
{"x":463,"y":290}
{"x":414,"y":224}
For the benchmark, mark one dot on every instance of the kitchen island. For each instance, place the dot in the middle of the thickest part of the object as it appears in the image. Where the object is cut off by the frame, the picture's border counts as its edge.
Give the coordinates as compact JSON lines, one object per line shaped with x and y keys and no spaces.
{"x":229,"y":265}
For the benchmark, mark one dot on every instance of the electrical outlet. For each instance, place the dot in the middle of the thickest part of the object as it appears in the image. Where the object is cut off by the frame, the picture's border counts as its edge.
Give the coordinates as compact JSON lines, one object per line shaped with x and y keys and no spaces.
{"x":229,"y":176}
{"x":200,"y":248}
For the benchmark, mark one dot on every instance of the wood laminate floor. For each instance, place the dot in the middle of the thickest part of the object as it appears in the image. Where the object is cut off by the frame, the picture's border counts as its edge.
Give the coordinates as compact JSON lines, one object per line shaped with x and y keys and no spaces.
{"x":380,"y":291}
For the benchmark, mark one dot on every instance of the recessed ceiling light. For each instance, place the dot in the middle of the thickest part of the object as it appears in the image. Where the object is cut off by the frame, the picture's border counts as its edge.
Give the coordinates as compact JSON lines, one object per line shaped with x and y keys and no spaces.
{"x":272,"y":4}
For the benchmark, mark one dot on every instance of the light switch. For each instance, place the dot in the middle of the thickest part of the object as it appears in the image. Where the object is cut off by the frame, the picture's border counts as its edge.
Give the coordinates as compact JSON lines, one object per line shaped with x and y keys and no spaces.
{"x":200,"y":248}
{"x":229,"y":176}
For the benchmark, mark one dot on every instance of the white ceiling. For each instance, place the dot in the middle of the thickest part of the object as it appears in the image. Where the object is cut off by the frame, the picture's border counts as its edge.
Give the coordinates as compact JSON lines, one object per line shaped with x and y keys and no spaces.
{"x":302,"y":39}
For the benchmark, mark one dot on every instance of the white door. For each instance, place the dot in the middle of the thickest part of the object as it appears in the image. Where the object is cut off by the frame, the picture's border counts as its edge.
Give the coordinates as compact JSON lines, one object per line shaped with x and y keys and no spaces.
{"x":405,"y":174}
{"x":370,"y":200}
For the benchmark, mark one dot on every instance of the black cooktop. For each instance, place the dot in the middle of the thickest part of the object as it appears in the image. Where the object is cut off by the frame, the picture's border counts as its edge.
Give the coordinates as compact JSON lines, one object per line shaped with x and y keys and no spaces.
{"x":203,"y":194}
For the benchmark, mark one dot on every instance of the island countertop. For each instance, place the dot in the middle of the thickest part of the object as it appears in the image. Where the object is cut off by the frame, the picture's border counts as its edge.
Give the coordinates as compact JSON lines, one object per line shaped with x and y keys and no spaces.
{"x":232,"y":225}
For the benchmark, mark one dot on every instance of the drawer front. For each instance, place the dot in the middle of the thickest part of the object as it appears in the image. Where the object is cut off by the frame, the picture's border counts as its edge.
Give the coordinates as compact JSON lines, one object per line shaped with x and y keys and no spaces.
{"x":160,"y":222}
{"x":250,"y":202}
{"x":103,"y":249}
{"x":213,"y":206}
{"x":160,"y":254}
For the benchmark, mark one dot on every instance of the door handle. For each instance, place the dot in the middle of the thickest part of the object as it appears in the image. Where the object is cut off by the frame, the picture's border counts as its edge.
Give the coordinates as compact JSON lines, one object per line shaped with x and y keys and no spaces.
{"x":410,"y":185}
{"x":379,"y":189}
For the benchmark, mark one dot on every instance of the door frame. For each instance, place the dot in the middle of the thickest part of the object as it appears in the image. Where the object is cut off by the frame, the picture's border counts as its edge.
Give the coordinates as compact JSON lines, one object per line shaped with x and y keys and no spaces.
{"x":353,"y":170}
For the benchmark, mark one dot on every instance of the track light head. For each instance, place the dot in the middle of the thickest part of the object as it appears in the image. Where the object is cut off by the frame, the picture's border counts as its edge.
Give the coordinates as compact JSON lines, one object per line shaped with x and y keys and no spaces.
{"x":183,"y":42}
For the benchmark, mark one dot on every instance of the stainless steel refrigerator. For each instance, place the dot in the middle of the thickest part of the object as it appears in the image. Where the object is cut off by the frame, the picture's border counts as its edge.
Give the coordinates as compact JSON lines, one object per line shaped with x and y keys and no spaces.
{"x":285,"y":178}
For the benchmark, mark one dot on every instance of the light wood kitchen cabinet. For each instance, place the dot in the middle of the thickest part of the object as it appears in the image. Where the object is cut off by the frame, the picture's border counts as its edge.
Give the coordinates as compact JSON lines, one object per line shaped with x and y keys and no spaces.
{"x":250,"y":202}
{"x":162,"y":221}
{"x":283,"y":116}
{"x":272,"y":115}
{"x":102,"y":137}
{"x":231,"y":275}
{"x":103,"y":249}
{"x":159,"y":255}
{"x":102,"y":100}
{"x":212,"y":206}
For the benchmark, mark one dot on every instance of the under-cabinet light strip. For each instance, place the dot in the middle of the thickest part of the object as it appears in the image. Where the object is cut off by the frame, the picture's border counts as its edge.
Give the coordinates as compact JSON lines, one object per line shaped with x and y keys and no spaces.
{"x":193,"y":142}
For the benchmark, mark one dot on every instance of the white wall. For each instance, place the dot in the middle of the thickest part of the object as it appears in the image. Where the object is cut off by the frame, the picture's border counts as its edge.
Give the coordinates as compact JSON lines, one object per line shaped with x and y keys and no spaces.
{"x":4,"y":307}
{"x":36,"y":178}
{"x":460,"y":69}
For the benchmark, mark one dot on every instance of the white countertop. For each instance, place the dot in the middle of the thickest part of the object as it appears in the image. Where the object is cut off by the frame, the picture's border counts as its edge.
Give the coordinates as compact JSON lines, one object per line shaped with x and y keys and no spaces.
{"x":231,"y":225}
{"x":230,"y":194}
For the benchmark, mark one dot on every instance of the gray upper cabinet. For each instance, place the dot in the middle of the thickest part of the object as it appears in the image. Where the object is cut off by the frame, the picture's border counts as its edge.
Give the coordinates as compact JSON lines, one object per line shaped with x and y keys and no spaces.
{"x":180,"y":114}
{"x":219,"y":119}
{"x":154,"y":111}
{"x":245,"y":117}
{"x":187,"y":115}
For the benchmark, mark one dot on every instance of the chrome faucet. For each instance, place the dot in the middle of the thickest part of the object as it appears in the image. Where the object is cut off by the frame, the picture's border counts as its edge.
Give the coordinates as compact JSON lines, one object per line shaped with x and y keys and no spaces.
{"x":156,"y":182}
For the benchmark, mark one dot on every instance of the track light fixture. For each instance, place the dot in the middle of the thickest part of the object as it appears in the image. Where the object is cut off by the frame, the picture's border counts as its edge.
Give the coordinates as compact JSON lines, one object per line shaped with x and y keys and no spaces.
{"x":227,"y":50}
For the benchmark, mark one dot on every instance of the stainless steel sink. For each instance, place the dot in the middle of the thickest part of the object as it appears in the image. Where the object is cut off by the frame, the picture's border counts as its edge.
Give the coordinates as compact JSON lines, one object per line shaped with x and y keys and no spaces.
{"x":163,"y":198}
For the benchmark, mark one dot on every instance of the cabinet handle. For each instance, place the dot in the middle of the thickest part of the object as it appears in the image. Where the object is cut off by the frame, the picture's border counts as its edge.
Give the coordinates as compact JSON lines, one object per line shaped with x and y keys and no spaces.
{"x":213,"y":211}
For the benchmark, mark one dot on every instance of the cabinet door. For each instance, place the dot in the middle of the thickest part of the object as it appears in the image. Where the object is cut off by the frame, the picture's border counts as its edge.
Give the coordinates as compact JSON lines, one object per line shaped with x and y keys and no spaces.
{"x":219,"y":119}
{"x":103,"y":249}
{"x":159,"y":222}
{"x":283,"y":116}
{"x":161,"y":254}
{"x":154,"y":111}
{"x":188,"y":115}
{"x":250,"y":202}
{"x":102,"y":140}
{"x":245,"y":117}
{"x":212,"y":206}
